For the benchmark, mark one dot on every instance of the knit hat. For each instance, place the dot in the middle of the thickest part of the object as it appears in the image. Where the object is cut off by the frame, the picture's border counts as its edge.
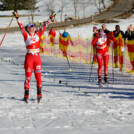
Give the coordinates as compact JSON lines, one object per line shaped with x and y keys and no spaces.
{"x":94,"y":28}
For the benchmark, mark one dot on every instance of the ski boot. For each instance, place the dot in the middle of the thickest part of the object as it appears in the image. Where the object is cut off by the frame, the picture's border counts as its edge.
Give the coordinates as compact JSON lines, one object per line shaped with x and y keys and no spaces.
{"x":39,"y":94}
{"x":105,"y":79}
{"x":26,"y":95}
{"x":99,"y":81}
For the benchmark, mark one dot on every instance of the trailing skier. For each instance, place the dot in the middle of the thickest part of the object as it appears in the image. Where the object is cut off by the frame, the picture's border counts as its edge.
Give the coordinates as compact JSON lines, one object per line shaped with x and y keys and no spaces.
{"x":118,"y":47}
{"x":52,"y":35}
{"x":65,"y":40}
{"x":100,"y":42}
{"x":32,"y":58}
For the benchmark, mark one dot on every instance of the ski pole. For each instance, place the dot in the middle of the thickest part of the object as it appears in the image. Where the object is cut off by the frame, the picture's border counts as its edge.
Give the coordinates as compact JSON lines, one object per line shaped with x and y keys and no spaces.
{"x":112,"y":63}
{"x":64,"y":47}
{"x":91,"y":65}
{"x":6,"y":30}
{"x":119,"y":53}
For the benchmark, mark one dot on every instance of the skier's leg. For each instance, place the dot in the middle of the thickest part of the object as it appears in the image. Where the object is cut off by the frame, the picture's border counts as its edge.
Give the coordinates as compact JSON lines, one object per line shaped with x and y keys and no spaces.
{"x":105,"y":59}
{"x":37,"y":73}
{"x":99,"y":59}
{"x":28,"y":65}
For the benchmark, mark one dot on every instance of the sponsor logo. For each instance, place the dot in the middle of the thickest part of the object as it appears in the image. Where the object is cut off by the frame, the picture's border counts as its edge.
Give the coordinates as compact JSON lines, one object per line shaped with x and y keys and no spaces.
{"x":106,"y":54}
{"x":38,"y":71}
{"x":99,"y":55}
{"x":28,"y":70}
{"x":34,"y":39}
{"x":38,"y":67}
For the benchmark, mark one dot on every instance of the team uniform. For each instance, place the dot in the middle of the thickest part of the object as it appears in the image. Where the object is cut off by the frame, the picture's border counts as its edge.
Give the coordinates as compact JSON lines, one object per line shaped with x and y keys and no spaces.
{"x":100,"y":42}
{"x":118,"y":46}
{"x":65,"y":39}
{"x":32,"y":58}
{"x":52,"y":35}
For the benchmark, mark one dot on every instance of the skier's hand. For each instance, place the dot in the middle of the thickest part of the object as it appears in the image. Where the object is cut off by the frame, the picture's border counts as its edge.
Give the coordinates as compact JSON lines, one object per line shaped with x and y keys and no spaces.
{"x":52,"y":16}
{"x":16,"y":14}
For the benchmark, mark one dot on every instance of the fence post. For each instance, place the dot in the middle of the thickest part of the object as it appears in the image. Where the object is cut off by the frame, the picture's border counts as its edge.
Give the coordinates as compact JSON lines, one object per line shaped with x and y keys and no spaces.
{"x":87,"y":51}
{"x":79,"y":45}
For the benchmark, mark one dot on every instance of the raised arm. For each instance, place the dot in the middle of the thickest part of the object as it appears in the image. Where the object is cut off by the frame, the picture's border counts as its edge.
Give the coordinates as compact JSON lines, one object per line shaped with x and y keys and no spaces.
{"x":111,"y":36}
{"x":23,"y":31}
{"x":45,"y":25}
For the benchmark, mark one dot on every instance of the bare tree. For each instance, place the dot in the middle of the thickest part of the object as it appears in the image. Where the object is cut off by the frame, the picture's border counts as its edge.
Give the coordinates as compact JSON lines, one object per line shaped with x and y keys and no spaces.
{"x":75,"y":3}
{"x":32,"y":8}
{"x":62,"y":7}
{"x":85,"y":3}
{"x":50,"y":6}
{"x":103,"y":3}
{"x":98,"y":6}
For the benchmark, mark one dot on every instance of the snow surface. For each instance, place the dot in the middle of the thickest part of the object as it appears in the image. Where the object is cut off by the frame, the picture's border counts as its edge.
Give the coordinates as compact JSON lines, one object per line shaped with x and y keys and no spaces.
{"x":73,"y":106}
{"x":70,"y":104}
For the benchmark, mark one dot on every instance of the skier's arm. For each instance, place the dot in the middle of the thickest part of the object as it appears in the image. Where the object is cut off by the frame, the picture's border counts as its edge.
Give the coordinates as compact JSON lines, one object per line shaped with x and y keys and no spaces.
{"x":46,"y":24}
{"x":24,"y":33}
{"x":123,"y":35}
{"x":54,"y":34}
{"x":94,"y":41}
{"x":133,"y":34}
{"x":111,"y":36}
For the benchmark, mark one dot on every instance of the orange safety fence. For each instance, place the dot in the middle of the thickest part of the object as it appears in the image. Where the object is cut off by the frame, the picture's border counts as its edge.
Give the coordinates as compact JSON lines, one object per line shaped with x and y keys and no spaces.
{"x":129,"y":56}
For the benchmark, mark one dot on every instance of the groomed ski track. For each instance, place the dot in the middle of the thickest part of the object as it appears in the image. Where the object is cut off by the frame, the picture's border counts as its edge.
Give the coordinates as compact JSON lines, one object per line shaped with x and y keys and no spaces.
{"x":69,"y":104}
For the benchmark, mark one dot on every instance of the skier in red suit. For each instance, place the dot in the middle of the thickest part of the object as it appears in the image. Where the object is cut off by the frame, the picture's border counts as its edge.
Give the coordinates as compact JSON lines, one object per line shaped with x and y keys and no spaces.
{"x":32,"y":58}
{"x":100,"y":42}
{"x":52,"y":34}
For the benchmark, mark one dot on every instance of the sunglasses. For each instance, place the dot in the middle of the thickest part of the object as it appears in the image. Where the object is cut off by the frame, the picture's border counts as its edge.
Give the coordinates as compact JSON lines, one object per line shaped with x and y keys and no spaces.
{"x":32,"y":26}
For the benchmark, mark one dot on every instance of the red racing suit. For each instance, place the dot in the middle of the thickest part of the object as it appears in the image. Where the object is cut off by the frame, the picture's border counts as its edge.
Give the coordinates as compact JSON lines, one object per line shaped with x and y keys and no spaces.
{"x":52,"y":35}
{"x":100,"y":42}
{"x":32,"y":58}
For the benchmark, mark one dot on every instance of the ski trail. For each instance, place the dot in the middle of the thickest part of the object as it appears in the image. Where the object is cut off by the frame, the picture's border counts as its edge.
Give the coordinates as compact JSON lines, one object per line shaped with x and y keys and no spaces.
{"x":75,"y":107}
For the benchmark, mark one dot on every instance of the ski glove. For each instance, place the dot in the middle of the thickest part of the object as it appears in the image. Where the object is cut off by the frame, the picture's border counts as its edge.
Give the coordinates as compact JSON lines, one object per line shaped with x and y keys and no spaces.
{"x":16,"y":14}
{"x":52,"y":16}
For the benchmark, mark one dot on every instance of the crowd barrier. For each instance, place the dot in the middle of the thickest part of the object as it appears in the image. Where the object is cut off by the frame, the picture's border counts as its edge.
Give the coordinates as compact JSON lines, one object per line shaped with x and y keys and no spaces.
{"x":120,"y":56}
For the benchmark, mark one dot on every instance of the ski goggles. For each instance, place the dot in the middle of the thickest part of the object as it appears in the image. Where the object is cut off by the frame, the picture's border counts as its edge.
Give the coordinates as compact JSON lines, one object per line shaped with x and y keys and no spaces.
{"x":30,"y":25}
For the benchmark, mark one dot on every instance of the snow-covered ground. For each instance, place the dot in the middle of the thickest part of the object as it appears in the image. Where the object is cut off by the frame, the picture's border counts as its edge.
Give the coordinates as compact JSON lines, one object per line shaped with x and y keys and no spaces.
{"x":69,"y":104}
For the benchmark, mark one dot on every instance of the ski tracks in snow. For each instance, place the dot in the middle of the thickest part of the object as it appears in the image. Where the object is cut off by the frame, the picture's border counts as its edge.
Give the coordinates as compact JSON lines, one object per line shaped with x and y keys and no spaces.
{"x":72,"y":105}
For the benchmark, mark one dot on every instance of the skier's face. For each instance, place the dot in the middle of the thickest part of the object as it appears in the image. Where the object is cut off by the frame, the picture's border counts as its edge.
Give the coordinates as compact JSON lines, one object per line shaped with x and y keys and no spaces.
{"x":130,"y":28}
{"x":95,"y":30}
{"x":117,"y":28}
{"x":104,"y":27}
{"x":31,"y":29}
